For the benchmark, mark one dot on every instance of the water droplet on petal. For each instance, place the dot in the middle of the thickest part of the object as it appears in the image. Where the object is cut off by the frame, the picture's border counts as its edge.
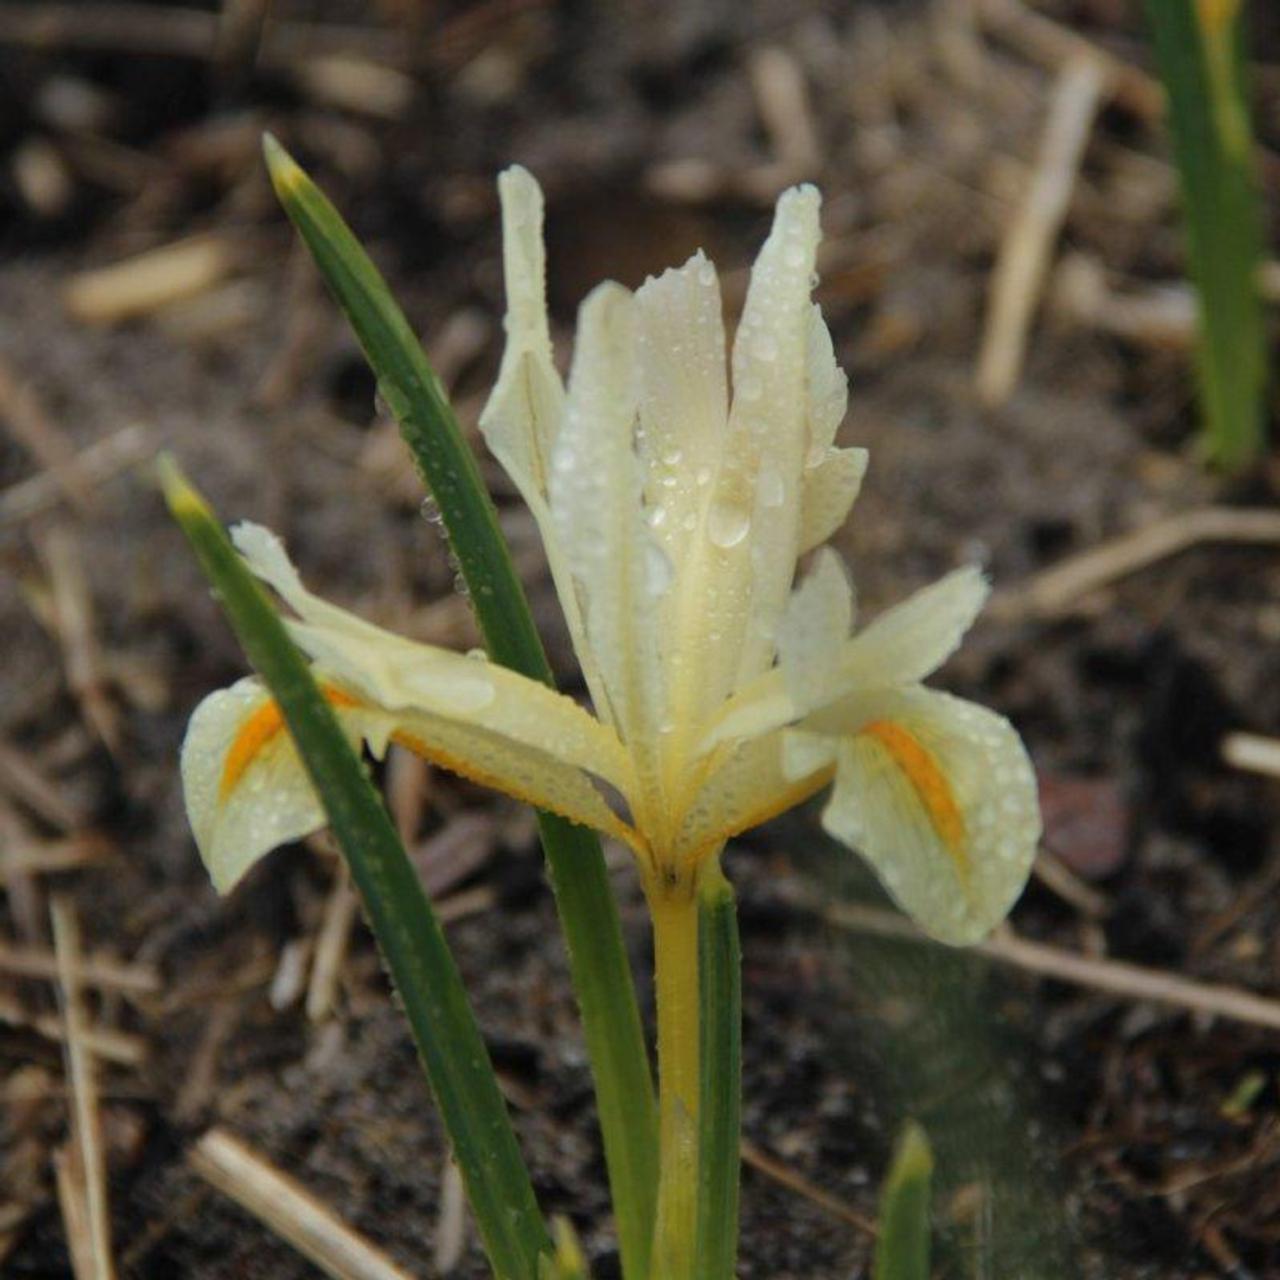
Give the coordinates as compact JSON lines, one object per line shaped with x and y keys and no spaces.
{"x":658,"y":568}
{"x":727,"y":523}
{"x":772,"y":490}
{"x":765,"y":347}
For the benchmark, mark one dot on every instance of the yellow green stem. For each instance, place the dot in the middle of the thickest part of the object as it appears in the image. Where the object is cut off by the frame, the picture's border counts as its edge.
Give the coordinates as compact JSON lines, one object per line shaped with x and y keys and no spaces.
{"x":673,"y":906}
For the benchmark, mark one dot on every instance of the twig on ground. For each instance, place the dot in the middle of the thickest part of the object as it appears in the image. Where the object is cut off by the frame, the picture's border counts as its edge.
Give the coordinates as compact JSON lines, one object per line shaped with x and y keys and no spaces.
{"x":286,"y":1208}
{"x":86,"y":1126}
{"x":1051,"y":45}
{"x":1054,"y":591}
{"x":35,"y":857}
{"x":110,"y":975}
{"x":107,"y":1043}
{"x":1115,"y":977}
{"x":73,"y":624}
{"x":1252,"y":752}
{"x":331,"y":945}
{"x":451,"y":1221}
{"x":21,"y":780}
{"x":22,"y":411}
{"x":785,"y":1176}
{"x":1022,"y":265}
{"x":99,"y":462}
{"x":782,"y":99}
{"x":1057,"y":877}
{"x":150,"y":280}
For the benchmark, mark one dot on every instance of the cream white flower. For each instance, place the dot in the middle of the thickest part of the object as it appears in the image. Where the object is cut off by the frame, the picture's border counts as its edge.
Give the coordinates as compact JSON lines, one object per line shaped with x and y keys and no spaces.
{"x":673,"y":515}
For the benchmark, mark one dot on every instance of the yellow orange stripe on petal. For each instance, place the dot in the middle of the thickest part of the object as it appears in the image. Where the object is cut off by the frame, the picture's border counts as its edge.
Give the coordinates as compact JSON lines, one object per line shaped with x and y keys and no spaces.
{"x":258,"y":731}
{"x":930,"y":785}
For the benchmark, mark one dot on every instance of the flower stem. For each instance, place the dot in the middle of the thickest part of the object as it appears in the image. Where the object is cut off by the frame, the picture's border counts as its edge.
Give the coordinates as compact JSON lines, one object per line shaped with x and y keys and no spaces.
{"x":673,"y":907}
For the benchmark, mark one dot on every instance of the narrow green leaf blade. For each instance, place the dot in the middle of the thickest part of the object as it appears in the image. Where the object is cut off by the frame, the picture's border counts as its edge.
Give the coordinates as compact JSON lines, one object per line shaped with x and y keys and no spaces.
{"x":902,"y":1250}
{"x":720,"y":1104}
{"x":1200,"y":53}
{"x":422,"y":968}
{"x":601,"y":972}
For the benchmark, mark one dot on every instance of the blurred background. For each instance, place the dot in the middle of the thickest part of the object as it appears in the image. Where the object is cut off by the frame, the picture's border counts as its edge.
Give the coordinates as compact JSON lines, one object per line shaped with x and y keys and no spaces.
{"x":1005,"y":276}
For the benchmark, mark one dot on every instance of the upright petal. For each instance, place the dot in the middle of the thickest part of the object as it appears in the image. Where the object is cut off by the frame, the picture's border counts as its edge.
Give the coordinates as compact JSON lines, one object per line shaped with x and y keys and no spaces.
{"x":597,"y":505}
{"x":684,"y":398}
{"x":523,"y":414}
{"x":522,"y":419}
{"x":739,"y":558}
{"x":769,"y":421}
{"x":814,"y":632}
{"x":913,"y":639}
{"x":938,"y":795}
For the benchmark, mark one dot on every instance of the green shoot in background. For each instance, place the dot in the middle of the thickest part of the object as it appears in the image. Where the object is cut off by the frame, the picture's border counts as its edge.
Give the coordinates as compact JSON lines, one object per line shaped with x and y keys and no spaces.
{"x":902,"y":1249}
{"x":1200,"y":51}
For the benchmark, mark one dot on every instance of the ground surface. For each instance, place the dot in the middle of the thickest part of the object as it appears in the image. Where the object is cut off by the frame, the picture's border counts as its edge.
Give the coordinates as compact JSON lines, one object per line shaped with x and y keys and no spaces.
{"x":1119,"y":1138}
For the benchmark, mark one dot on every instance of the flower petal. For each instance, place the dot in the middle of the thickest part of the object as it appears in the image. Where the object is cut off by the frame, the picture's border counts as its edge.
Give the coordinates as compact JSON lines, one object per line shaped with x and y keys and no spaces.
{"x":749,"y":786}
{"x":684,"y":397}
{"x":522,"y":417}
{"x":596,"y":502}
{"x":913,"y":639}
{"x":828,"y":490}
{"x":403,"y":677}
{"x":815,"y":631}
{"x":938,"y":795}
{"x":247,"y":791}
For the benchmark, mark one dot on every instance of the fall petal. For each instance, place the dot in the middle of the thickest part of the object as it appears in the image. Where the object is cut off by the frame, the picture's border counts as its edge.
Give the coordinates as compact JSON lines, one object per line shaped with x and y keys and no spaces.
{"x":247,"y":791}
{"x":828,"y":490}
{"x":940,"y":798}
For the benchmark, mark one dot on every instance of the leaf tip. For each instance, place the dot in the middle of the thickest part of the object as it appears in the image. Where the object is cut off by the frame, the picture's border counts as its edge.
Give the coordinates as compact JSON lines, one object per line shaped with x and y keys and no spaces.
{"x":183,"y":498}
{"x":287,"y":175}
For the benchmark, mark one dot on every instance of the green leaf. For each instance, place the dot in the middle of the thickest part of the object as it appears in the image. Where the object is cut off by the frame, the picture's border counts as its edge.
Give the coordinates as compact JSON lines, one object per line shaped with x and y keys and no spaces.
{"x":1200,"y":52}
{"x":588,"y":912}
{"x":413,"y":945}
{"x":902,"y":1250}
{"x":720,"y":1102}
{"x":568,"y":1262}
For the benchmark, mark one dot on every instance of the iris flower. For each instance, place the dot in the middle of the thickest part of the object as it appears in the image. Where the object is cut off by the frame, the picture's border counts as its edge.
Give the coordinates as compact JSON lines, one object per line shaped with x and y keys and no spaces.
{"x":674,"y":512}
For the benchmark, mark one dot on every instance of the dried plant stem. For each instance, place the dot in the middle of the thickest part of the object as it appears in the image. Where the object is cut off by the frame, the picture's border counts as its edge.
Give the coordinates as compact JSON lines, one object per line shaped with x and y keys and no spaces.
{"x":1116,"y":977}
{"x":86,"y":1130}
{"x":290,"y":1211}
{"x":1022,"y":266}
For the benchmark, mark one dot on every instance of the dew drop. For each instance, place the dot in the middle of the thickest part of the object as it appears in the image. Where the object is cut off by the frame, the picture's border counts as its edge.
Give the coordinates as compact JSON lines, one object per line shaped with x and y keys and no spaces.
{"x":658,"y":569}
{"x":672,"y":456}
{"x":702,"y":477}
{"x":765,"y":347}
{"x":657,"y":517}
{"x":727,"y":524}
{"x":772,"y":490}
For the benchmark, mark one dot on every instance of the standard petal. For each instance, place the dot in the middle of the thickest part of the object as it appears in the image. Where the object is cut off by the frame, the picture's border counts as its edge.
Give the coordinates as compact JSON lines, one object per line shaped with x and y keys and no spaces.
{"x":247,"y":791}
{"x":596,"y":502}
{"x":815,"y":631}
{"x":683,"y":398}
{"x":769,"y":421}
{"x":522,"y":416}
{"x":913,"y":639}
{"x":939,"y":796}
{"x":828,"y":490}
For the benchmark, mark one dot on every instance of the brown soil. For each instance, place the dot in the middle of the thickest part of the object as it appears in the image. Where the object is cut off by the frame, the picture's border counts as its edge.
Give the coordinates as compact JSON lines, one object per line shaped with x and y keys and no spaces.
{"x":1118,"y":1131}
